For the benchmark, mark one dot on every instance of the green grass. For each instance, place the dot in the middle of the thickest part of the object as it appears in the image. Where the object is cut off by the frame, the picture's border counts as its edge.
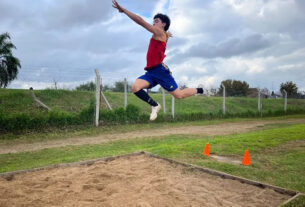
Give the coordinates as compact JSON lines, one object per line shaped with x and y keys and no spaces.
{"x":17,"y":100}
{"x":299,"y":202}
{"x":71,"y":101}
{"x":274,"y":158}
{"x":18,"y":113}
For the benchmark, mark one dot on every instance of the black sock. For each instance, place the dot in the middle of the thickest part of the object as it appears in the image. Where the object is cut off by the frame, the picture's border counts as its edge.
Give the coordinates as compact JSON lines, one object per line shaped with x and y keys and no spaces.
{"x":200,"y":90}
{"x":145,"y":97}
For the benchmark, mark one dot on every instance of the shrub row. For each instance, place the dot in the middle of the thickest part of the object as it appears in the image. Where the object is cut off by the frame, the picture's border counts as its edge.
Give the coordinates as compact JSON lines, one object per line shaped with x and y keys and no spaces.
{"x":54,"y":118}
{"x":60,"y":119}
{"x":248,"y":114}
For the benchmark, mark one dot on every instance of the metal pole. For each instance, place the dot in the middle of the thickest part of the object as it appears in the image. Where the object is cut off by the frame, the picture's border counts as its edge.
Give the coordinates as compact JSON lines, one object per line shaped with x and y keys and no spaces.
{"x":125,"y":93}
{"x":163,"y":95}
{"x":285,"y":103}
{"x":223,"y":99}
{"x":173,"y":107}
{"x":97,"y":96}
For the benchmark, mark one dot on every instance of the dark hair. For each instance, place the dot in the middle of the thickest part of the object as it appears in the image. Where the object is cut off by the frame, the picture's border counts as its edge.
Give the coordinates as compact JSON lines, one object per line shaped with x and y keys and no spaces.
{"x":165,"y":19}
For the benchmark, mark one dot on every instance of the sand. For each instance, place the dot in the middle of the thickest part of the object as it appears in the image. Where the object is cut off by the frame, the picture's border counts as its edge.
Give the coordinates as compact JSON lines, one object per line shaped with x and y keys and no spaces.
{"x":140,"y":181}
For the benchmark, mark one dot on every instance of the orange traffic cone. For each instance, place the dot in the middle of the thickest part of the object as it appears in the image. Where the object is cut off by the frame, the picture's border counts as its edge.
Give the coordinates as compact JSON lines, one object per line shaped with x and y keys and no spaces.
{"x":206,"y":150}
{"x":246,"y":160}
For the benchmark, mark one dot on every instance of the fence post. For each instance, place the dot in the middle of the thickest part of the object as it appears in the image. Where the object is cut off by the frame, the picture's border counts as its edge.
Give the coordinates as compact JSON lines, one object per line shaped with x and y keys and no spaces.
{"x":173,"y":107}
{"x":285,"y":103}
{"x":105,"y":99}
{"x":37,"y":101}
{"x":97,"y":96}
{"x":259,"y":102}
{"x":164,"y":106}
{"x":224,"y":100}
{"x":125,"y":93}
{"x":101,"y":91}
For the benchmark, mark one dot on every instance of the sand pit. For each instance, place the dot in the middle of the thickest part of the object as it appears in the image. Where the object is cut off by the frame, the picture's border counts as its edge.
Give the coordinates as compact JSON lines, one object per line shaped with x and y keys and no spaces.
{"x":137,"y":180}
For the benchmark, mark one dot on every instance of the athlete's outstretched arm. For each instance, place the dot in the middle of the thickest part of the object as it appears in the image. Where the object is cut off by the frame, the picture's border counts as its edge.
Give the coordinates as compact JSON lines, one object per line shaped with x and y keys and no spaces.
{"x":139,"y":20}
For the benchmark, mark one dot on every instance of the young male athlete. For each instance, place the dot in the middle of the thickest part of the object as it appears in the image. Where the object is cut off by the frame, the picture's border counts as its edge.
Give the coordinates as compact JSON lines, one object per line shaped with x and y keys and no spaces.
{"x":157,"y":71}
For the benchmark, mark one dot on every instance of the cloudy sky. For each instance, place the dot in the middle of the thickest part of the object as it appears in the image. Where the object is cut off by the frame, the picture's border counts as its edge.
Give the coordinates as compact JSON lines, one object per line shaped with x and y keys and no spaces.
{"x":261,"y":42}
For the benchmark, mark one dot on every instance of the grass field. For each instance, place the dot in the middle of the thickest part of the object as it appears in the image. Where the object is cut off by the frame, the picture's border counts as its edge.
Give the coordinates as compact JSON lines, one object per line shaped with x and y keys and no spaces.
{"x":277,"y":152}
{"x":15,"y":101}
{"x":18,"y":100}
{"x":277,"y":155}
{"x":19,"y":113}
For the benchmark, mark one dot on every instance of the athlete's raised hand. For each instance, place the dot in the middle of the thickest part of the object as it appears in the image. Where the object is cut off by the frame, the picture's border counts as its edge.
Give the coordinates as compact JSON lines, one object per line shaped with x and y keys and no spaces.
{"x":117,"y":6}
{"x":139,"y":20}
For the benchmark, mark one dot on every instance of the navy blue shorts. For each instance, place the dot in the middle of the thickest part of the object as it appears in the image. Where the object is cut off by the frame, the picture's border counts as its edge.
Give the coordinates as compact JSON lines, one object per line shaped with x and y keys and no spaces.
{"x":160,"y":75}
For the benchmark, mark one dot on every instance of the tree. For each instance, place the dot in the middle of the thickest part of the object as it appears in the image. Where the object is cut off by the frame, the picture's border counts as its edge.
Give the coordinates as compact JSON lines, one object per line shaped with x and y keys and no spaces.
{"x":90,"y":86}
{"x":213,"y":91}
{"x":9,"y":64}
{"x":119,"y":86}
{"x":106,"y":88}
{"x":290,"y":87}
{"x":240,"y":88}
{"x":228,"y":86}
{"x":301,"y":94}
{"x":234,"y":88}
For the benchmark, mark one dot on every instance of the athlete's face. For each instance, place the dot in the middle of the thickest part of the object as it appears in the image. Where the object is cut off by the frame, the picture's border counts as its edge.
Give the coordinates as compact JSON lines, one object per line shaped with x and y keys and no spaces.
{"x":159,"y":23}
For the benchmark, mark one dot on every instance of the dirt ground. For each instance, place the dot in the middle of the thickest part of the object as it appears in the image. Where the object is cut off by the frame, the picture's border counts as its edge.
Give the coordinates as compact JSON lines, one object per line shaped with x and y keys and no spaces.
{"x":140,"y":181}
{"x":207,"y":130}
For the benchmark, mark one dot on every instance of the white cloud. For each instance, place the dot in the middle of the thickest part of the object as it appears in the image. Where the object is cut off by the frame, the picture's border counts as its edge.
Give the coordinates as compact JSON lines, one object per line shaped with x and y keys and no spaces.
{"x":261,"y":42}
{"x":292,"y":67}
{"x":160,"y":7}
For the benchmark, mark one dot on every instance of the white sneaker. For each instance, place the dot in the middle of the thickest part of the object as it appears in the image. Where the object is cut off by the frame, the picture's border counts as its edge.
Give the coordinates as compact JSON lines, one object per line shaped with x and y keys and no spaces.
{"x":154,"y":112}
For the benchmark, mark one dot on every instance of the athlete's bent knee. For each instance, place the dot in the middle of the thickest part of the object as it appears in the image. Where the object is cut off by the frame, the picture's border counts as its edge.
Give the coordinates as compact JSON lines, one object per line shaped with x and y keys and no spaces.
{"x":178,"y":96}
{"x":135,"y":88}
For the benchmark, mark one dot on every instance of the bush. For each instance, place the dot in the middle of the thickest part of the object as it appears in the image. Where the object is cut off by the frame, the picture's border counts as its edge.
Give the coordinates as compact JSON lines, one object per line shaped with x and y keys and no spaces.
{"x":132,"y":113}
{"x":86,"y":115}
{"x":18,"y":122}
{"x":59,"y":118}
{"x":120,"y":115}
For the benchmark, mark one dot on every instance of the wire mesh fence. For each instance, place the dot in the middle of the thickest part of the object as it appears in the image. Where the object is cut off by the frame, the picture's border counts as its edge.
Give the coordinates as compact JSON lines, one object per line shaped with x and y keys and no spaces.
{"x":65,"y":107}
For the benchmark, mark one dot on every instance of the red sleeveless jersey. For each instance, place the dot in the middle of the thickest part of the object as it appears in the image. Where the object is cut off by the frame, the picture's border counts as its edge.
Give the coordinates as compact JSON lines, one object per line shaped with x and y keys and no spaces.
{"x":155,"y":53}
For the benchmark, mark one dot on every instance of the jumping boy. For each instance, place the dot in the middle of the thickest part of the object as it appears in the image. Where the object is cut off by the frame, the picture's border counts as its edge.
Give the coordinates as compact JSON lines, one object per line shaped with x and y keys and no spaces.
{"x":157,"y":71}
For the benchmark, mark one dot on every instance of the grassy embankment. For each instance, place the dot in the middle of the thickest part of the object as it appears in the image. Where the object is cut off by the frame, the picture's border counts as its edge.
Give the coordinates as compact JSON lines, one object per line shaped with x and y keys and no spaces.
{"x":76,"y":108}
{"x":16,"y":101}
